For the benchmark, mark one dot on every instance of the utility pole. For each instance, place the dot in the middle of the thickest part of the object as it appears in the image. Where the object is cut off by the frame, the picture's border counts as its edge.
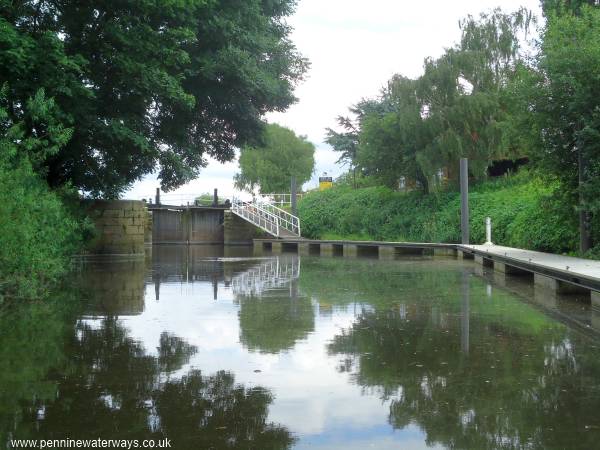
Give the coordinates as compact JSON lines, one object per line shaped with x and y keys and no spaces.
{"x":293,"y":196}
{"x":464,"y":200}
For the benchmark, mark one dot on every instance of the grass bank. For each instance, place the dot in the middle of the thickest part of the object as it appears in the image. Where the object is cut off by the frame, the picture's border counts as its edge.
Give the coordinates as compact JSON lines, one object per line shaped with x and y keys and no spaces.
{"x":526,"y":212}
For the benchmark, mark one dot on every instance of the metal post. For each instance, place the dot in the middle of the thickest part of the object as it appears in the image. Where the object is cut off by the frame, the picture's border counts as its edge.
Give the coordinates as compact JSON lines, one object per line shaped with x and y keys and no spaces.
{"x":293,"y":199}
{"x":488,"y":231}
{"x":215,"y":198}
{"x":464,"y":200}
{"x":157,"y":196}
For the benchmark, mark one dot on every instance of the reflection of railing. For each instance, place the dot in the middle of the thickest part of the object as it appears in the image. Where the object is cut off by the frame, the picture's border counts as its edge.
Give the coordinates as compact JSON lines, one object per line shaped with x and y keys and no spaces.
{"x":271,"y":274}
{"x":270,"y":218}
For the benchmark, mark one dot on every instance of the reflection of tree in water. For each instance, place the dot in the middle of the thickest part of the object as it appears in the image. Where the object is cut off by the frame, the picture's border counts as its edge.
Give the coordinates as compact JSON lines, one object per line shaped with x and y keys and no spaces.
{"x":275,"y":321}
{"x":341,"y":282}
{"x":513,"y":390}
{"x":116,"y":390}
{"x":214,"y":412}
{"x":273,"y":316}
{"x":31,"y":344}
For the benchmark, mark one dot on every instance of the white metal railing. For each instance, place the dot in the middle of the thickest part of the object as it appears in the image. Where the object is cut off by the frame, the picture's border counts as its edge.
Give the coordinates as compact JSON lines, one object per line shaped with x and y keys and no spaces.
{"x":285,"y":219}
{"x":266,"y":216}
{"x":250,"y":212}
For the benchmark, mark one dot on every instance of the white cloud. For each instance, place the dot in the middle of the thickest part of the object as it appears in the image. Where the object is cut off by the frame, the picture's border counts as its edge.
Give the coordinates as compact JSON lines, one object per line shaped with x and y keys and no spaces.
{"x":354,"y":48}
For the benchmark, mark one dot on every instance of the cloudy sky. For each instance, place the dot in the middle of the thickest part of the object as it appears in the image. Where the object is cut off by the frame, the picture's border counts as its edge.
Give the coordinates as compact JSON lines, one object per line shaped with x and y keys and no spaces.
{"x":354,"y":48}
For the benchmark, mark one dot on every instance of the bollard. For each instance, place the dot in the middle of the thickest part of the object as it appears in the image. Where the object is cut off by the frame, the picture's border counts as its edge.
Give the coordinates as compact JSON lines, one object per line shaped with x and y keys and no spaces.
{"x":488,"y":231}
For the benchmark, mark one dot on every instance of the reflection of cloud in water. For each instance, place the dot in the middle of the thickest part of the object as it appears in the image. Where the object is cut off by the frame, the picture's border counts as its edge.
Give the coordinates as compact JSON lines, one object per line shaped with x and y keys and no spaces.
{"x":115,"y":390}
{"x":310,"y":395}
{"x":378,"y":437}
{"x":391,"y":364}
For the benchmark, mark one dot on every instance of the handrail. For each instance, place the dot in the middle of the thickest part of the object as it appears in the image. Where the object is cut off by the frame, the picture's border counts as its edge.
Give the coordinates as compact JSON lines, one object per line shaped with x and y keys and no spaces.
{"x":266,"y":216}
{"x":263,"y":219}
{"x":291,"y":222}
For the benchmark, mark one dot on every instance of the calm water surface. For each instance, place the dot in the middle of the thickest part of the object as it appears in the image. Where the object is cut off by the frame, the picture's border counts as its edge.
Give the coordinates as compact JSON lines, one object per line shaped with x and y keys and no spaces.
{"x":218,"y":349}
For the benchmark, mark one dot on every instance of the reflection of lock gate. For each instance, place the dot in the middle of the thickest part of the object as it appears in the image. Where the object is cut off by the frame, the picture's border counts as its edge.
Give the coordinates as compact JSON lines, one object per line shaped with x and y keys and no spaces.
{"x":270,"y":218}
{"x":271,"y":274}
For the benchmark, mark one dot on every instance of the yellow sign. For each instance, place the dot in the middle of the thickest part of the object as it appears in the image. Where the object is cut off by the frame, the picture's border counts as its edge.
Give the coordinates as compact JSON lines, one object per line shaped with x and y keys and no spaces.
{"x":325,"y":183}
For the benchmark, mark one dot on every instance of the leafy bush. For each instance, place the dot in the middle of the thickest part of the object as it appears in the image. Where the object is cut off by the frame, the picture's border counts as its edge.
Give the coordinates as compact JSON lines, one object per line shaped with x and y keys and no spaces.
{"x":38,"y":233}
{"x":525,"y":213}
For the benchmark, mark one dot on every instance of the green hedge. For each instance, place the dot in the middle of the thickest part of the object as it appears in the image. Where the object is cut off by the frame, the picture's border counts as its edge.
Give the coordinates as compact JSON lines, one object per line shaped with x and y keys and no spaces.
{"x":525,"y":212}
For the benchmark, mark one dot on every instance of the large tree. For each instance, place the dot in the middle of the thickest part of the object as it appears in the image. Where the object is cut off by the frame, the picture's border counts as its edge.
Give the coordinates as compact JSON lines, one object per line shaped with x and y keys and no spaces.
{"x":564,"y":96}
{"x":347,"y":141}
{"x":463,"y":93}
{"x":271,"y":165}
{"x":562,"y":6}
{"x":391,"y":138}
{"x":457,"y":108}
{"x":145,"y":84}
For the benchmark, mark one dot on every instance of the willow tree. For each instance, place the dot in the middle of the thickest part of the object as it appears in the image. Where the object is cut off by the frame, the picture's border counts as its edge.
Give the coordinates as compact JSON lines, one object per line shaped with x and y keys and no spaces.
{"x":463,"y":92}
{"x":457,"y":108}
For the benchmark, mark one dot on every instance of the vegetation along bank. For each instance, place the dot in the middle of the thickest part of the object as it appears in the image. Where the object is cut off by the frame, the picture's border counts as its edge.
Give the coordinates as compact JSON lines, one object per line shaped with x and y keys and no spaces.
{"x":526,"y":212}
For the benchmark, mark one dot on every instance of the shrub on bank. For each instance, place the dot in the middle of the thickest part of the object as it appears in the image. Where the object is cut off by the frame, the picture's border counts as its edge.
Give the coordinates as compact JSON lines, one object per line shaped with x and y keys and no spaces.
{"x":525,"y":212}
{"x":38,"y":236}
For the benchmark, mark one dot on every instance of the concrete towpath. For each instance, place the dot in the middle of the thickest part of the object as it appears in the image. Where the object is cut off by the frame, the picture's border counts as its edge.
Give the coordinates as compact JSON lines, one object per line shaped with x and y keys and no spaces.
{"x":580,"y":271}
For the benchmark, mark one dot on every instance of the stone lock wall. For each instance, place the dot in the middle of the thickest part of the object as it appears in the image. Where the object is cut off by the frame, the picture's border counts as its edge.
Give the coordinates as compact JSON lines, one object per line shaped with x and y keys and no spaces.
{"x":148,"y":228}
{"x":239,"y":232}
{"x":120,"y":225}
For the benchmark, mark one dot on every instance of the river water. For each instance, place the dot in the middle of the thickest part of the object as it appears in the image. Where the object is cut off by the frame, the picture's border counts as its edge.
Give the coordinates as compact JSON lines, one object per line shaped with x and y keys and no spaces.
{"x":215,"y":348}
